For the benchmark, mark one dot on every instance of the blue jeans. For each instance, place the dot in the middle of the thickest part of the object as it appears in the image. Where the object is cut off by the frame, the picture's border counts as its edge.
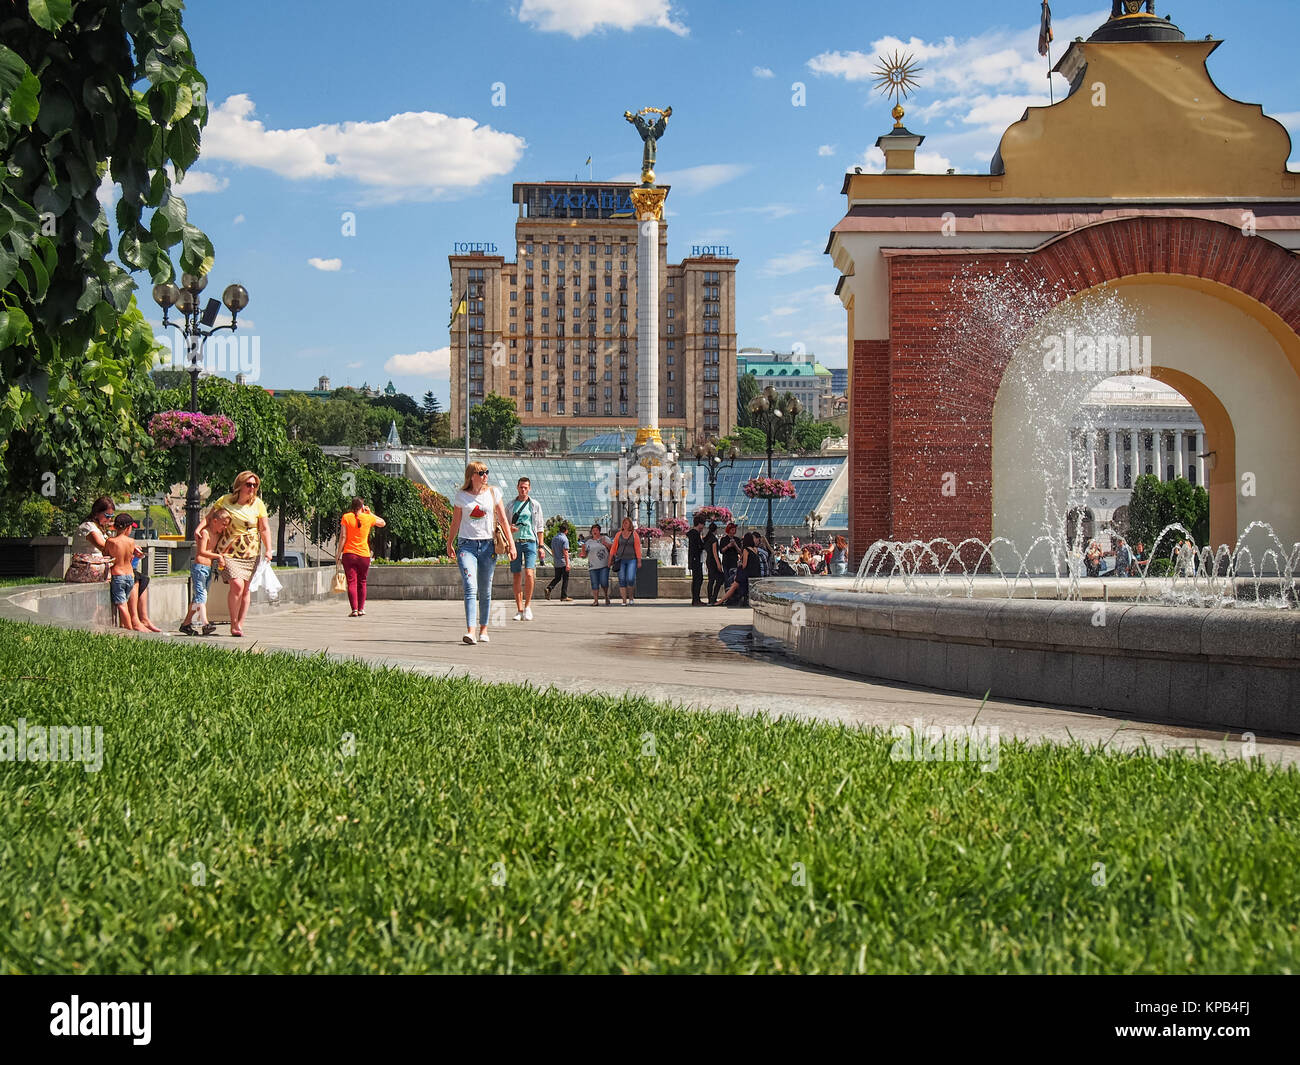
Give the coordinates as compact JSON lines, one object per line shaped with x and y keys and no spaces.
{"x":627,"y":573}
{"x":599,"y":578}
{"x":477,"y":560}
{"x":201,"y":577}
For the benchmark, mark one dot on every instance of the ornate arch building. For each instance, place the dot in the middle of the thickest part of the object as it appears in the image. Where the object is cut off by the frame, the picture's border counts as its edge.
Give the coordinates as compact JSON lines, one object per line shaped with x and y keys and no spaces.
{"x":1147,"y":188}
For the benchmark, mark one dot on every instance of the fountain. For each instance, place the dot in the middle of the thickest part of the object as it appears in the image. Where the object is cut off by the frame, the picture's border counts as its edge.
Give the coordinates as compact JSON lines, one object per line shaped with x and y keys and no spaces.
{"x":1201,"y":636}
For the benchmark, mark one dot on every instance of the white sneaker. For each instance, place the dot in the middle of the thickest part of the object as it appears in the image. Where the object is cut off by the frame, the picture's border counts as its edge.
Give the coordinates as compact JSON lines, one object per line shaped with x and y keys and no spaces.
{"x":469,"y":639}
{"x":484,"y":638}
{"x":519,"y":617}
{"x":528,"y":613}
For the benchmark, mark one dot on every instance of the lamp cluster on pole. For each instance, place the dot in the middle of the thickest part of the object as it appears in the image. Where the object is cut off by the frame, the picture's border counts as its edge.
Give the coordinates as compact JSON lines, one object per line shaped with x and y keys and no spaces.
{"x":196,"y":326}
{"x":776,"y":417}
{"x":715,"y":459}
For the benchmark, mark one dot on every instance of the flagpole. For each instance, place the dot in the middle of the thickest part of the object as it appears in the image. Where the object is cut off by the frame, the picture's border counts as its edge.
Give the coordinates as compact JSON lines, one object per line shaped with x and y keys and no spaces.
{"x":1051,"y":89}
{"x":466,"y":317}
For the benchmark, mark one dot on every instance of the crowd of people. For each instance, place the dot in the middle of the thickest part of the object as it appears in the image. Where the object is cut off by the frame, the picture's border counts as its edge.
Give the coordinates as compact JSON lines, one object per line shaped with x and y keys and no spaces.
{"x":233,"y":538}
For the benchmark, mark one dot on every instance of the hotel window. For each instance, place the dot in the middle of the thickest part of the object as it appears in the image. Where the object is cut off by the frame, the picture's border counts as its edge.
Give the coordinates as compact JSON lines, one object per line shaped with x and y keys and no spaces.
{"x":609,"y":312}
{"x":672,"y":296}
{"x":528,"y":264}
{"x":672,"y":344}
{"x":543,"y":406}
{"x":609,"y":249}
{"x":592,"y":265}
{"x":514,"y":390}
{"x":672,"y":409}
{"x":546,"y":312}
{"x":672,"y":282}
{"x":609,"y":408}
{"x":514,"y":375}
{"x":514,"y":295}
{"x":514,"y":312}
{"x":528,"y":249}
{"x":609,"y":279}
{"x":671,"y":327}
{"x":671,"y":313}
{"x":623,"y":266}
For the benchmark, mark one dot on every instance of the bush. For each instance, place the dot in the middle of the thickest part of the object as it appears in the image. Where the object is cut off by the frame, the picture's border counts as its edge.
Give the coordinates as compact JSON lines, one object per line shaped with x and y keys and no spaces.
{"x":34,"y":516}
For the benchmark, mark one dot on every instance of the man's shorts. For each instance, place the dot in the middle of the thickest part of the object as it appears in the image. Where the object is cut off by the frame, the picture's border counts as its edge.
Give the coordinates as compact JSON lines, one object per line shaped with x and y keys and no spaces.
{"x":525,"y":556}
{"x":119,"y":588}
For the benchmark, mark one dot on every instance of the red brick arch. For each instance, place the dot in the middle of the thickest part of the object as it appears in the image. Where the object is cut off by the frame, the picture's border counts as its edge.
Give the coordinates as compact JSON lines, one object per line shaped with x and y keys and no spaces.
{"x":922,"y":401}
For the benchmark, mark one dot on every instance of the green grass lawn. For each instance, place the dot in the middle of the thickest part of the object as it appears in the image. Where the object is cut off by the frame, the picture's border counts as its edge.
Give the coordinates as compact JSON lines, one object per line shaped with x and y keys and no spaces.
{"x":14,"y":582}
{"x":482,"y":828}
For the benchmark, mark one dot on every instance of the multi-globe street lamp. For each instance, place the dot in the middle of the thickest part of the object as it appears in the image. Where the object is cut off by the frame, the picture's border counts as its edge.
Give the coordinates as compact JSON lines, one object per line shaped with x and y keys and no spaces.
{"x":196,"y":326}
{"x":813,"y":520}
{"x":711,"y":456}
{"x":766,"y":409}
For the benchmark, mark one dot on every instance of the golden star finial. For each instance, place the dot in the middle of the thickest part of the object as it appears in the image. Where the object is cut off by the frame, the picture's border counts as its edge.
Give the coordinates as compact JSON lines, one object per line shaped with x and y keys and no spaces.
{"x":896,"y":78}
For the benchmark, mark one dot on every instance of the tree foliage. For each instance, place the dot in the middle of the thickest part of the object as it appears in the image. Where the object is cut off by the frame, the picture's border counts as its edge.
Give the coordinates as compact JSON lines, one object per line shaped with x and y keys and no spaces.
{"x":417,"y":518}
{"x":1156,"y":504}
{"x":492,"y":424}
{"x":73,"y":350}
{"x":746,"y":391}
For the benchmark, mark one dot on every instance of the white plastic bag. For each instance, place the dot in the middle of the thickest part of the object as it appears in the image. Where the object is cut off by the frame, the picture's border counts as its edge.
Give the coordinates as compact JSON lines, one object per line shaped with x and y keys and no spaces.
{"x":264,"y":579}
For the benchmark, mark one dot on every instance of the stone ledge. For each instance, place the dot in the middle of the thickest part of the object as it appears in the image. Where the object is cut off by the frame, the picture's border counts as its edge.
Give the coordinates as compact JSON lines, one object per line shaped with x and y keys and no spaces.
{"x":1231,"y":667}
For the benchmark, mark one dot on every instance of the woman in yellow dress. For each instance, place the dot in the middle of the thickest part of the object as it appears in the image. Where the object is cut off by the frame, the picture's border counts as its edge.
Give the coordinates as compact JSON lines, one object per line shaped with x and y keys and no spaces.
{"x":247,"y":537}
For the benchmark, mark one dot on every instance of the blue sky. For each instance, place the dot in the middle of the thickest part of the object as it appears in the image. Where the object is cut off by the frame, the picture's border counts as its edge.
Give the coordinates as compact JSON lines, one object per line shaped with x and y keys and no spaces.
{"x":395,"y":118}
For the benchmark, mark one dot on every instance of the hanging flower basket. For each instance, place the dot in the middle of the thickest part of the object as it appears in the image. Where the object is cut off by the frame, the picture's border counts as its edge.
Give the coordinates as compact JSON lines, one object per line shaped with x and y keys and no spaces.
{"x":176,"y":428}
{"x":649,"y":532}
{"x":721,"y":515}
{"x":674,"y":526}
{"x":768,"y":488}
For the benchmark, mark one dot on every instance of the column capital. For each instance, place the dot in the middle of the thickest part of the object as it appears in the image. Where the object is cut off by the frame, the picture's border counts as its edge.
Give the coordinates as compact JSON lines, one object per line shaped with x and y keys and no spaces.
{"x":649,"y":204}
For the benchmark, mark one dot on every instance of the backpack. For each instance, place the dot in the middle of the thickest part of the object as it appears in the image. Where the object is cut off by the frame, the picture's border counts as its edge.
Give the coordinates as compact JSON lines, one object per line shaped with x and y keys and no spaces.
{"x":764,"y":563}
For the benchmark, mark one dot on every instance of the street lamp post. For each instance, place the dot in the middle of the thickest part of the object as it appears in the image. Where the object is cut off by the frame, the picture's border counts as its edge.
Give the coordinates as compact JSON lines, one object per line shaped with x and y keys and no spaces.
{"x":767,"y":407}
{"x":196,"y":326}
{"x":708,"y":455}
{"x":812,"y":519}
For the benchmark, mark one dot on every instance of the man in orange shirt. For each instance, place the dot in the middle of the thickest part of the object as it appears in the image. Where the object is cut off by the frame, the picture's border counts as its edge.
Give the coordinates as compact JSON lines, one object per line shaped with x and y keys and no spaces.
{"x":355,"y":553}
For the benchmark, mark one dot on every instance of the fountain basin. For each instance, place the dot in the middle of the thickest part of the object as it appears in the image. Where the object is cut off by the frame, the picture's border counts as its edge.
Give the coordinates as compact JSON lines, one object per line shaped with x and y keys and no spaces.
{"x":1225,"y":667}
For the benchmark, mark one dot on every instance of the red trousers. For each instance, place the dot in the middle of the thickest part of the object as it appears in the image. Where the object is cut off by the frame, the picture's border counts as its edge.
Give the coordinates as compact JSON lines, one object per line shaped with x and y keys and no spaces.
{"x":355,"y":568}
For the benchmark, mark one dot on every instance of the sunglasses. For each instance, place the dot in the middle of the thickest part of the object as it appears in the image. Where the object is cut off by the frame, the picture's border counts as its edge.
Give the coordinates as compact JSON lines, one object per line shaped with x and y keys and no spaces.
{"x":481,"y":473}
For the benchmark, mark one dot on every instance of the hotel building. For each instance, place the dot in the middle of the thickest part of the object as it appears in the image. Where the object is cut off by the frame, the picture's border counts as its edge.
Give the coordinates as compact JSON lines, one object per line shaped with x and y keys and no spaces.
{"x":555,"y":328}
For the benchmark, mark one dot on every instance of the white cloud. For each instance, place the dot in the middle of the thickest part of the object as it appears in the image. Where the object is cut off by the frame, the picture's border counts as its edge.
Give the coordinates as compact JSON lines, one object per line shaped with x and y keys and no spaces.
{"x":695,"y":179}
{"x":826,"y":150}
{"x":977,"y":85}
{"x":327,"y":265}
{"x":414,"y":155}
{"x":239,"y":218}
{"x":197,"y":181}
{"x":106,"y":194}
{"x":578,"y":18}
{"x":873,"y":162}
{"x":764,"y":72}
{"x":435,"y":364}
{"x":767,"y":210}
{"x":357,"y":365}
{"x":792,"y":262}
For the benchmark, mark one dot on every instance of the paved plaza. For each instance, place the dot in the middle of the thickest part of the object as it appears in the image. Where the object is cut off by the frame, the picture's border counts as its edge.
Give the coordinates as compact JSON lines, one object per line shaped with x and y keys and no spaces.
{"x":702,"y":658}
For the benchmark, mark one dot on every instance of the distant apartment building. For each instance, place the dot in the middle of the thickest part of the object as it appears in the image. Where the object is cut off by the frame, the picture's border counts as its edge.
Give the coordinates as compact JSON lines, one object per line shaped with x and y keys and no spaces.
{"x":554,"y":328}
{"x":798,"y":373}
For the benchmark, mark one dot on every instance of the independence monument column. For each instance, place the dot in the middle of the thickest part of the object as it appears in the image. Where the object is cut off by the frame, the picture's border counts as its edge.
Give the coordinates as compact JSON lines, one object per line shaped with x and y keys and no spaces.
{"x":648,"y":202}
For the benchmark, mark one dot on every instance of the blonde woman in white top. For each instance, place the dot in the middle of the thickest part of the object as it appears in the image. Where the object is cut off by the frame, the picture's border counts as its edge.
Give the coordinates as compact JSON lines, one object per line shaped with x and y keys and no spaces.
{"x":477,"y":512}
